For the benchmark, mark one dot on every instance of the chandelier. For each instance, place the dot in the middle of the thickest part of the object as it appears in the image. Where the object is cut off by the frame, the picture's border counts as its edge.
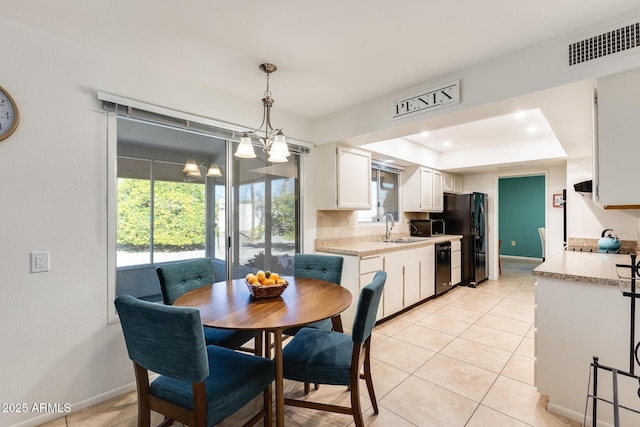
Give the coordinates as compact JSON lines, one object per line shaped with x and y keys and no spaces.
{"x":273,"y":140}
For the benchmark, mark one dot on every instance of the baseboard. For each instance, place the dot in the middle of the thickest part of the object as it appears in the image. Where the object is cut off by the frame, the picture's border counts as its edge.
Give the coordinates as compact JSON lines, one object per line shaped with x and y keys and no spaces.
{"x":522,"y":258}
{"x":573,"y":415}
{"x":77,"y":406}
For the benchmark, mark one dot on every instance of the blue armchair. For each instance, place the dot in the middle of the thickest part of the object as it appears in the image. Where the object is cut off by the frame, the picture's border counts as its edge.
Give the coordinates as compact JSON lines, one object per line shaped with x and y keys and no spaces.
{"x":329,"y":357}
{"x":197,"y":385}
{"x":180,"y":277}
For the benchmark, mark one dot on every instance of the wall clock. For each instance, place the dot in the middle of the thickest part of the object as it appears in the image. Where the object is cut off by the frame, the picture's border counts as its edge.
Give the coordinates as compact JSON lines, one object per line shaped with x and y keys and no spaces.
{"x":9,"y":116}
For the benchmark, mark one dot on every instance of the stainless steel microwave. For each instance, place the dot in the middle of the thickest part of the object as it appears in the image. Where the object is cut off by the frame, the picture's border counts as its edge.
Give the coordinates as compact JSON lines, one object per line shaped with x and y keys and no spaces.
{"x":426,"y":227}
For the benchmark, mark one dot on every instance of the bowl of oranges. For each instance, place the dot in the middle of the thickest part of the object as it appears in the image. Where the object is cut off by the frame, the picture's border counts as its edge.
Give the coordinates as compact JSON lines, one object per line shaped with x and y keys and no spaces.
{"x":265,"y":284}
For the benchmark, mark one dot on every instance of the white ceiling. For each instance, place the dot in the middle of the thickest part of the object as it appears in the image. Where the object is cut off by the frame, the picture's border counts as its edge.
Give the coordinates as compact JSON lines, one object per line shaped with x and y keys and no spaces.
{"x":330,"y":54}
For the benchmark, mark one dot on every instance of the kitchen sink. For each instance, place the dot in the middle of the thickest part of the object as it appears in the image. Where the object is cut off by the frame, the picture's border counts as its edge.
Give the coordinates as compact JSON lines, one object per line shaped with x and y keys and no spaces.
{"x":405,"y":240}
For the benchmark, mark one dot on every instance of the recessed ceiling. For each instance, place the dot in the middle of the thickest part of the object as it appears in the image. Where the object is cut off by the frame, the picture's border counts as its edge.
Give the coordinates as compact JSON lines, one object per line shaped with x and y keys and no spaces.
{"x":518,"y":126}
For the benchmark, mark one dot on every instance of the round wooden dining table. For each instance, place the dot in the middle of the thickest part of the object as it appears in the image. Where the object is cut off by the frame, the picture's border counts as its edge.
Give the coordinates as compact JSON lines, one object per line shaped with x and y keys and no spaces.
{"x":229,"y":305}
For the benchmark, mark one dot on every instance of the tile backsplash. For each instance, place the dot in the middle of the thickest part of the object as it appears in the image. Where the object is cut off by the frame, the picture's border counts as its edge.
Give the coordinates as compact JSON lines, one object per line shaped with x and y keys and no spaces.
{"x":339,"y":225}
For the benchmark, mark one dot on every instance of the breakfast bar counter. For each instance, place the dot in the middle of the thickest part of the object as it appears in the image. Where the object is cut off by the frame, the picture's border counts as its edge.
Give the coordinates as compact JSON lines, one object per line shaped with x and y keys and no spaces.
{"x":587,"y":267}
{"x":580,"y":312}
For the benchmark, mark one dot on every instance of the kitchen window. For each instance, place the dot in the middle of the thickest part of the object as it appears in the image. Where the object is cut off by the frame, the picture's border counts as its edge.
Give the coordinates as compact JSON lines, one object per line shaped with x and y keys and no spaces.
{"x":385,"y":194}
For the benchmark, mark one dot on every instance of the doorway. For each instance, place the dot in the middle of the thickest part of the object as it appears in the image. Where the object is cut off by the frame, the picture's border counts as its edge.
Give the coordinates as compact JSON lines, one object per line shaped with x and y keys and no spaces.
{"x":521,"y":211}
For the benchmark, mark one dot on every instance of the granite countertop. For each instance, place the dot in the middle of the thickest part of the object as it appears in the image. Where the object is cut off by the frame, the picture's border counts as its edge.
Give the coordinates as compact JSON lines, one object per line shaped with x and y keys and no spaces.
{"x":588,"y":267}
{"x":373,"y":247}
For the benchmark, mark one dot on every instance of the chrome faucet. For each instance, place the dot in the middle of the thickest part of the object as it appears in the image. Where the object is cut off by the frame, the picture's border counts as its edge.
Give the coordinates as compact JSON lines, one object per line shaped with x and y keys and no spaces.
{"x":389,"y":217}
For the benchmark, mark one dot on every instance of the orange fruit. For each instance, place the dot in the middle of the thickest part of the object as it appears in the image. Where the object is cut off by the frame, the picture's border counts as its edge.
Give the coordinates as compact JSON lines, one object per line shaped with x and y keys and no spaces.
{"x":275,"y":276}
{"x":281,"y":282}
{"x":253,"y":280}
{"x":269,"y":282}
{"x":261,"y":275}
{"x":248,"y":276}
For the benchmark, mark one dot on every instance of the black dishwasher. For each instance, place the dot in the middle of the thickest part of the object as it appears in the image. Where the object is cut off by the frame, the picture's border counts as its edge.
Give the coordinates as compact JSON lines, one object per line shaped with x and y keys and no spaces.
{"x":443,"y":267}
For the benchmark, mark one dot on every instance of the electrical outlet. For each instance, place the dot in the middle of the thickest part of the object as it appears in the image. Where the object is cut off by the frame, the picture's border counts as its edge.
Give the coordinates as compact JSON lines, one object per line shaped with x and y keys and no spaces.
{"x":39,"y":262}
{"x":513,"y":243}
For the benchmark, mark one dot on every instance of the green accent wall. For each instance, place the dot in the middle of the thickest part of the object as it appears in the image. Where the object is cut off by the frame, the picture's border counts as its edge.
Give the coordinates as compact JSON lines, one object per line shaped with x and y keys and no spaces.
{"x":520,"y":214}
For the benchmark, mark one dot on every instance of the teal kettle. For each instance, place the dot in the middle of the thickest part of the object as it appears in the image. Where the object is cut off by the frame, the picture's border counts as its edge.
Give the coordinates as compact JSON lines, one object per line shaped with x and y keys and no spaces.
{"x":608,"y":242}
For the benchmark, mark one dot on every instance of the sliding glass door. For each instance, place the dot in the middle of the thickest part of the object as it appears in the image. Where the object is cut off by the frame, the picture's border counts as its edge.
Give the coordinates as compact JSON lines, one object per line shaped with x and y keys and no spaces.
{"x":241,"y":213}
{"x":265,"y":214}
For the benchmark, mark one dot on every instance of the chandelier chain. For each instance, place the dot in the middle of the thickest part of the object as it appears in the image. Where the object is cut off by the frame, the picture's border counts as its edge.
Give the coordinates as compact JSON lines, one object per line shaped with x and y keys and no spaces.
{"x":267,"y":93}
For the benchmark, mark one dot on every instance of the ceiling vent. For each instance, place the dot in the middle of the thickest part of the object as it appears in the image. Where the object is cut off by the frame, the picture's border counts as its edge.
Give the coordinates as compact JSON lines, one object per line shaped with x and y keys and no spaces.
{"x":622,"y":38}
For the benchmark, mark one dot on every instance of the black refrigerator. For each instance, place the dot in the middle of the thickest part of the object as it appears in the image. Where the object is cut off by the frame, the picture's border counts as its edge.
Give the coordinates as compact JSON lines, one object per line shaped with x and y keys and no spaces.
{"x":466,"y":215}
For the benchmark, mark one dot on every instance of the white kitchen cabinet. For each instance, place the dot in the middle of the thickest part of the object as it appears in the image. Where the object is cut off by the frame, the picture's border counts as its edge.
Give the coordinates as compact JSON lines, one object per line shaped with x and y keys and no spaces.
{"x":437,"y":194}
{"x":451,"y":183}
{"x":616,"y":148}
{"x":427,"y":271}
{"x":344,"y":177}
{"x":394,"y":287}
{"x":357,"y":272}
{"x":412,"y":264}
{"x":403,"y":280}
{"x":422,"y":191}
{"x":369,"y":266}
{"x":456,"y":262}
{"x":410,"y":279}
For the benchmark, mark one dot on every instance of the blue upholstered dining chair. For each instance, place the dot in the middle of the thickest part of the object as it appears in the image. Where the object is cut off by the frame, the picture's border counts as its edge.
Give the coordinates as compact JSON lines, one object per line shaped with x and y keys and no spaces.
{"x":180,"y":277}
{"x":197,"y":385}
{"x":323,"y":267}
{"x":329,"y":357}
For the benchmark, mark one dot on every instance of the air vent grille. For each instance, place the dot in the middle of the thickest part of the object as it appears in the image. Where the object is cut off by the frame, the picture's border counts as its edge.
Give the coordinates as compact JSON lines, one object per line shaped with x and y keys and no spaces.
{"x":607,"y":43}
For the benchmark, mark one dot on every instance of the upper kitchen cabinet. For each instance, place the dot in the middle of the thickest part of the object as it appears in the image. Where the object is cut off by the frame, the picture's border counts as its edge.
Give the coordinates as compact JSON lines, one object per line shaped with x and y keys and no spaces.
{"x":422,"y":190}
{"x":617,"y":146}
{"x":344,"y":178}
{"x":451,"y":183}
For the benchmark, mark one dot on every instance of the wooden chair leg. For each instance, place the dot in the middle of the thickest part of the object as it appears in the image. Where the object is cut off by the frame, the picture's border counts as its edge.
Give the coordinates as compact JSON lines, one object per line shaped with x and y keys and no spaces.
{"x":142,"y":386}
{"x":257,"y":344}
{"x":268,"y":405}
{"x":369,"y":381}
{"x":166,"y":423}
{"x":355,"y":405}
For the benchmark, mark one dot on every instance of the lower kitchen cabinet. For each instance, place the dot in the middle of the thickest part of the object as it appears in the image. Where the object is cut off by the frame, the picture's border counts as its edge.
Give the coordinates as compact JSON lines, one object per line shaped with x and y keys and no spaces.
{"x":427,"y":272}
{"x":456,"y":262}
{"x":403,"y":280}
{"x":410,"y":279}
{"x":369,"y":265}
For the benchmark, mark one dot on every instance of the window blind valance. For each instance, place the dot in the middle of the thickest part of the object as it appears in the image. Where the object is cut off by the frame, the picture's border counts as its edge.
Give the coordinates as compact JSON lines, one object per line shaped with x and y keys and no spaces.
{"x":136,"y":110}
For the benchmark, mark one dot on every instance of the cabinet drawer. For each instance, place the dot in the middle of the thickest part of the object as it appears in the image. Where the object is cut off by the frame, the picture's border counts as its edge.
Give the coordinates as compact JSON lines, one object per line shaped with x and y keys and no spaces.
{"x":455,"y":245}
{"x":366,"y":278}
{"x":370,"y":264}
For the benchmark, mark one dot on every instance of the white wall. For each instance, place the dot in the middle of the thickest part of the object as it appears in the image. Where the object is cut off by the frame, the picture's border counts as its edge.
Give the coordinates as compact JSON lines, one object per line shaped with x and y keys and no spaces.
{"x":56,"y":344}
{"x":587,"y":219}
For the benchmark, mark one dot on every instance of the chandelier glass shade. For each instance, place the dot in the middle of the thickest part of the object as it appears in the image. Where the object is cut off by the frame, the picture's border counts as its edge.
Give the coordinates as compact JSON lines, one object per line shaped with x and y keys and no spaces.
{"x":273,"y":140}
{"x":191,"y":168}
{"x":214,"y":171}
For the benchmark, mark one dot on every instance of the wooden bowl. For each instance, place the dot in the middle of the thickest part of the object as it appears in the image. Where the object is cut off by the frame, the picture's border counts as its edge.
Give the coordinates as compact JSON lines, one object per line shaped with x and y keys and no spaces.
{"x":266,"y":291}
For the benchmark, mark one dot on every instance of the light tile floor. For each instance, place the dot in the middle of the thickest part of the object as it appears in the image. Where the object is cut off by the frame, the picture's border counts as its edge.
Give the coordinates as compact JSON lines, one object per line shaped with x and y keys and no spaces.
{"x":463,"y":359}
